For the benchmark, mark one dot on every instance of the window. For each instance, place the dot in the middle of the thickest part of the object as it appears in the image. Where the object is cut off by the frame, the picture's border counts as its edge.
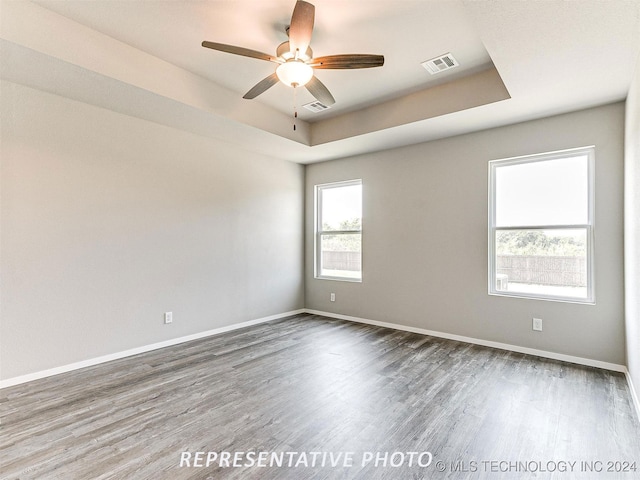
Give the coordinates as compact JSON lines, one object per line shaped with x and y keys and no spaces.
{"x":338,"y":244}
{"x":541,"y":226}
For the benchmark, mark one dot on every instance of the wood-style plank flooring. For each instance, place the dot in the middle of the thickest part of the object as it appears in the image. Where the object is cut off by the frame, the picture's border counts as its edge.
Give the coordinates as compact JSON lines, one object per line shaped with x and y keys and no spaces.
{"x":310,"y":384}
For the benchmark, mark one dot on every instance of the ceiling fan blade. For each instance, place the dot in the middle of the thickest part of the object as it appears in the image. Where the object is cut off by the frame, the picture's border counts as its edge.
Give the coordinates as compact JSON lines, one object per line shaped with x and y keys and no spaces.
{"x":245,"y":52}
{"x":348,"y":61}
{"x":262,"y":86}
{"x":301,"y":26}
{"x":320,"y":92}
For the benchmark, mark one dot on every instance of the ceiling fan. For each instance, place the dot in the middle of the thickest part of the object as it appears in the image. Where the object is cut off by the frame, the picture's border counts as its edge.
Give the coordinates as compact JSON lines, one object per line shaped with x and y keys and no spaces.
{"x":295,"y":58}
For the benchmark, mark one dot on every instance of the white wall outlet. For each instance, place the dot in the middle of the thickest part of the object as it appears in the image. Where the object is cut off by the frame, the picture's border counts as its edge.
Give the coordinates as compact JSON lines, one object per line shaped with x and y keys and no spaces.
{"x":537,"y":324}
{"x":333,"y":297}
{"x":168,"y":317}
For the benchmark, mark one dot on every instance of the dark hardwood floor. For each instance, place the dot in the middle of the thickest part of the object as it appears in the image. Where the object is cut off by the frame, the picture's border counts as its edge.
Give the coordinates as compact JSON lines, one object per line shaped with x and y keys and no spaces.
{"x":327,"y":390}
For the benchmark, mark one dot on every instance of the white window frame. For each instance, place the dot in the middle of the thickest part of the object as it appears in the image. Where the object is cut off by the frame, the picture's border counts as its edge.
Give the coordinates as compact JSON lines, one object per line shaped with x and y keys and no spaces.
{"x":588,"y":227}
{"x":319,"y":232}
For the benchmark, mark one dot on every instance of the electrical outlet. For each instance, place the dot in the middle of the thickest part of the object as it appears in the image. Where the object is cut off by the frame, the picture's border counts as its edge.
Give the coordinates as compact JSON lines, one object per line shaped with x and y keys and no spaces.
{"x":333,"y":297}
{"x":537,"y":324}
{"x":168,"y":317}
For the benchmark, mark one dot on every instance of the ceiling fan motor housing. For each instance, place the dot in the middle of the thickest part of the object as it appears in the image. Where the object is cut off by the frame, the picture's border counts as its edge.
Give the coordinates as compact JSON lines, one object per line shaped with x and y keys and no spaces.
{"x":284,"y":51}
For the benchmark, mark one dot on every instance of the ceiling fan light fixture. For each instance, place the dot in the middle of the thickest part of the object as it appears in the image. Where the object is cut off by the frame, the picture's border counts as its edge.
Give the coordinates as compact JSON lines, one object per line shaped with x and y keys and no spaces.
{"x":294,"y":73}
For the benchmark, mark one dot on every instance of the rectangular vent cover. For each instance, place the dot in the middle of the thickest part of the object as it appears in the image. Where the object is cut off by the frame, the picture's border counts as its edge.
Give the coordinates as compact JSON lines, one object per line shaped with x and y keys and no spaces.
{"x":440,"y":64}
{"x":316,"y":107}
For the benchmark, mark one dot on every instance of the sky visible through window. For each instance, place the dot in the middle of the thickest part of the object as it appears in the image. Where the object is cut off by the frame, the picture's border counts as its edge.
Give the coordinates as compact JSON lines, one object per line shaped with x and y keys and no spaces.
{"x":551,"y":192}
{"x":341,"y":204}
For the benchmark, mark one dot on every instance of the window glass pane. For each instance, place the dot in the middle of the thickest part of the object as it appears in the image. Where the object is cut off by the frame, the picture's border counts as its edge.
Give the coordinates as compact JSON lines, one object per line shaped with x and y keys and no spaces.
{"x":341,"y":255}
{"x":341,"y":207}
{"x":542,"y":262}
{"x":547,"y":192}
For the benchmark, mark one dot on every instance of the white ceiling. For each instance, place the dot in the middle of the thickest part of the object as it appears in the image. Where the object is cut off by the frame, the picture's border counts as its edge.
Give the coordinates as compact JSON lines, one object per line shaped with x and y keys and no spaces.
{"x":144,"y":58}
{"x":174,"y":30}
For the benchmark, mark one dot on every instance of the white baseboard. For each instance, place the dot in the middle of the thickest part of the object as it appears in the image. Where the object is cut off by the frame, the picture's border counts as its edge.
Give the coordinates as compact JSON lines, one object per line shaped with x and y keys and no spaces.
{"x":175,"y":341}
{"x":9,"y":382}
{"x":635,"y":398}
{"x":486,"y":343}
{"x":634,"y":393}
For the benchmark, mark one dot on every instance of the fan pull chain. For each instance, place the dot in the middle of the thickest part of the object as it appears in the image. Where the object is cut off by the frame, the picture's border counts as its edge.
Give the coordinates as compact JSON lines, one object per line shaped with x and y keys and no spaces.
{"x":295,"y":106}
{"x":295,"y":96}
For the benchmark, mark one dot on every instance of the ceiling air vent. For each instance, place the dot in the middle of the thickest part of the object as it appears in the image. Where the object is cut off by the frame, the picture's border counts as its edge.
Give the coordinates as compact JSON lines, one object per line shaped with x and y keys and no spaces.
{"x":316,"y":107}
{"x":440,"y":64}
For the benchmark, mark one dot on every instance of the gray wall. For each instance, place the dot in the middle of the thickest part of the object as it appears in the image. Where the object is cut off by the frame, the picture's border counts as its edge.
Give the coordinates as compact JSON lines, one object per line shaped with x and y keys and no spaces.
{"x":632,"y":229}
{"x":425,"y":238}
{"x":108,"y":221}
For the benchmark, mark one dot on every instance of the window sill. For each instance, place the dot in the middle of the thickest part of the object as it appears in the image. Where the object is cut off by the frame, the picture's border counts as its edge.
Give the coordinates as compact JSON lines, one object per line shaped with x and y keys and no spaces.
{"x":524,"y":296}
{"x":339,"y":279}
